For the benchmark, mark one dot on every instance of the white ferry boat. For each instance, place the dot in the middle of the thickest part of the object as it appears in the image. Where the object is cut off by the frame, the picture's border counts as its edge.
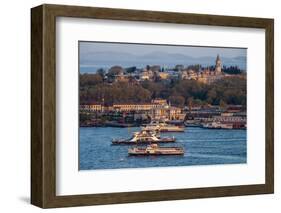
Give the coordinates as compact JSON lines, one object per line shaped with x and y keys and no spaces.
{"x":144,"y":137}
{"x":154,"y":149}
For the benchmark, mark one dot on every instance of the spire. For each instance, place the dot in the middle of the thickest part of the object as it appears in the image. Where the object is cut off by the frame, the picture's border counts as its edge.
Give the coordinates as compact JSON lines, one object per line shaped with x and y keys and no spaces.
{"x":218,"y":68}
{"x":218,"y":58}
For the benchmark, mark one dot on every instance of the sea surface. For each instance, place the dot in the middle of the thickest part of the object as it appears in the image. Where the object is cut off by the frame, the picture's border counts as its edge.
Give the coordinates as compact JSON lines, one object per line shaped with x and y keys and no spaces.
{"x":202,"y":147}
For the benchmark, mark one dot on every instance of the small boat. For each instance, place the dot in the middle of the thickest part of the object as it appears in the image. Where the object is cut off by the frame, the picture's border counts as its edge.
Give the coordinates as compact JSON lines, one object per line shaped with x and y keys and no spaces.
{"x":154,"y":149}
{"x":212,"y":125}
{"x":217,"y":125}
{"x":144,"y":137}
{"x":163,"y":127}
{"x":192,"y":123}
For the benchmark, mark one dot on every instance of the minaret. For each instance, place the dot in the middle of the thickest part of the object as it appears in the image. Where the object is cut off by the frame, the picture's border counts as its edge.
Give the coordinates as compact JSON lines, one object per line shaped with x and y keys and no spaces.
{"x":218,"y":65}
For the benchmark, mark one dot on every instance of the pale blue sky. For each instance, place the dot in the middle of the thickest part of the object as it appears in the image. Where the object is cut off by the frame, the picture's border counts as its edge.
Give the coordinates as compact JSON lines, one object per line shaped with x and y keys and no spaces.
{"x":141,"y":49}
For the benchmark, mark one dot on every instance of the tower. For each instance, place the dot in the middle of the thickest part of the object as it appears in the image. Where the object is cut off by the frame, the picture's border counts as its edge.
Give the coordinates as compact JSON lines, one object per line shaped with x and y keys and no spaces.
{"x":218,"y":65}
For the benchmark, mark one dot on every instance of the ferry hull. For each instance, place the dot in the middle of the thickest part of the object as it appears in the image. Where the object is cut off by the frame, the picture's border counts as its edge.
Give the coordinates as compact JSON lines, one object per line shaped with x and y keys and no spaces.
{"x":172,"y":130}
{"x":179,"y":129}
{"x":154,"y":154}
{"x":126,"y":142}
{"x":159,"y":151}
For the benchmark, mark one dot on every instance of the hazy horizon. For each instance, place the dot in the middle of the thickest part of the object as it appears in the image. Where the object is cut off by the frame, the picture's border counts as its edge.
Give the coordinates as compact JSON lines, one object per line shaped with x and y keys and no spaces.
{"x":95,"y":55}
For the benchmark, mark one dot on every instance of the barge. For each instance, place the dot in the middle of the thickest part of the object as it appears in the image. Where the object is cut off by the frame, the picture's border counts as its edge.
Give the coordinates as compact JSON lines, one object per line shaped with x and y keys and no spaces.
{"x":154,"y":149}
{"x":144,"y":137}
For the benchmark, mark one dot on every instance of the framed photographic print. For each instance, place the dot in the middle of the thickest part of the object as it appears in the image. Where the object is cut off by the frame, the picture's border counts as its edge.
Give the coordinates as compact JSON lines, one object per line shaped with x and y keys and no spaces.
{"x":136,"y":106}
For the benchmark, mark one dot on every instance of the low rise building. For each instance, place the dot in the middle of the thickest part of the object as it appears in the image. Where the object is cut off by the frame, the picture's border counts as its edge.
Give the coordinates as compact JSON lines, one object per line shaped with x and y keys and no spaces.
{"x":175,"y":113}
{"x":159,"y":101}
{"x":133,"y":107}
{"x":163,"y":75}
{"x":121,"y":78}
{"x":92,"y":107}
{"x":167,"y":113}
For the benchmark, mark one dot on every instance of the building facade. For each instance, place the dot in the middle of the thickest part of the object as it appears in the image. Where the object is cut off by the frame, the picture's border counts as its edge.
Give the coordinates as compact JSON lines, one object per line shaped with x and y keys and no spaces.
{"x":92,"y":107}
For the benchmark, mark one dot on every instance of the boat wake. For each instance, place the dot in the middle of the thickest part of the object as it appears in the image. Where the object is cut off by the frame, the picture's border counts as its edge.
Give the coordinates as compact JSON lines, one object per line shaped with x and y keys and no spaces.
{"x":225,"y":157}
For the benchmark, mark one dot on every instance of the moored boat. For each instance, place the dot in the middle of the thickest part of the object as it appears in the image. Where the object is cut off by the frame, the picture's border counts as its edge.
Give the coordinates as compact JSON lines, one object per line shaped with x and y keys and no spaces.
{"x":192,"y":123}
{"x":217,"y":125}
{"x":154,"y":149}
{"x":163,"y":127}
{"x":144,"y":137}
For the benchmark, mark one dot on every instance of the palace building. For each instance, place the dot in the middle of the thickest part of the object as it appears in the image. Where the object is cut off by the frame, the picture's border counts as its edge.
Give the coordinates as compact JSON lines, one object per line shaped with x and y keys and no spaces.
{"x":206,"y":75}
{"x":159,"y":109}
{"x":124,"y":107}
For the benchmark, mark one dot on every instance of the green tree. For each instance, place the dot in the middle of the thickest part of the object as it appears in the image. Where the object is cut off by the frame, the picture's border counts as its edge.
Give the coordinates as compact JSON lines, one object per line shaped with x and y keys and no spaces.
{"x":177,"y":100}
{"x":115,"y":70}
{"x":90,"y":79}
{"x":101,"y":72}
{"x":211,"y":96}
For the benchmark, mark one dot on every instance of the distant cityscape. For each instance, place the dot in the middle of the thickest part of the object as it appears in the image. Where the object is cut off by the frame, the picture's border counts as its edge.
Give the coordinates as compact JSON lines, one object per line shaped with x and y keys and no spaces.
{"x":210,"y":97}
{"x":157,"y":73}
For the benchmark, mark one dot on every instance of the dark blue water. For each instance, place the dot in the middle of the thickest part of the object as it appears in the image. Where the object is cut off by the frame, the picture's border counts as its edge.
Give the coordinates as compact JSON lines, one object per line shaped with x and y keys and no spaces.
{"x":202,"y":147}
